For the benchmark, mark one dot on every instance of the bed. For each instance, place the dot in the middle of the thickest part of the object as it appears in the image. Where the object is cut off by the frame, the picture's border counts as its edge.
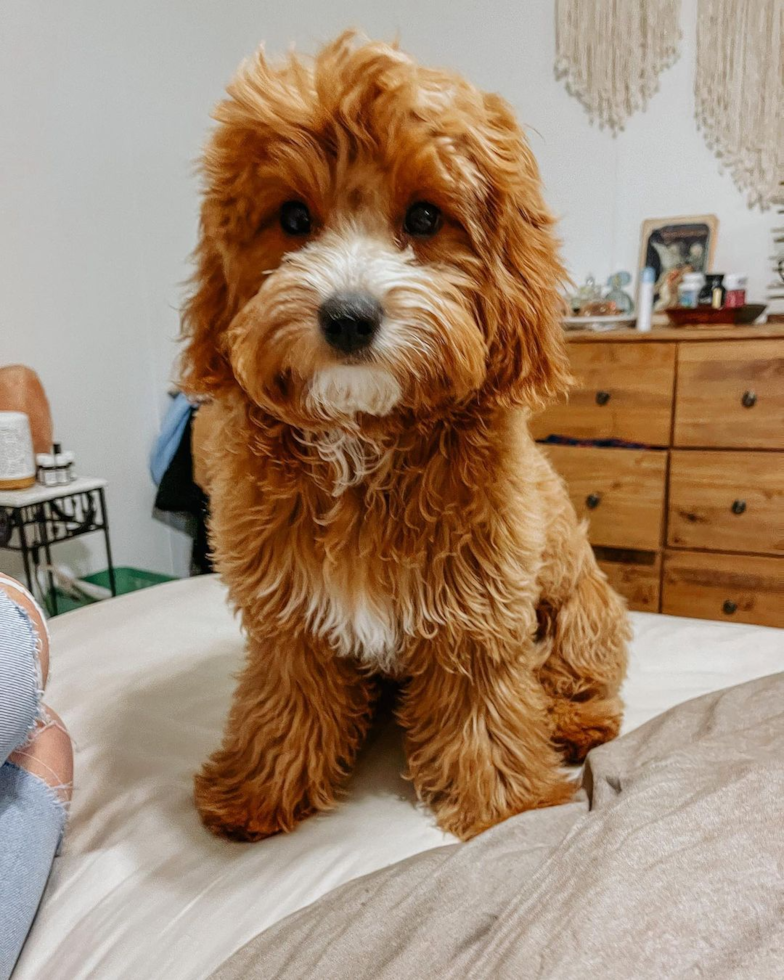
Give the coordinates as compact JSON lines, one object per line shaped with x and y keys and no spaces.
{"x":140,"y":890}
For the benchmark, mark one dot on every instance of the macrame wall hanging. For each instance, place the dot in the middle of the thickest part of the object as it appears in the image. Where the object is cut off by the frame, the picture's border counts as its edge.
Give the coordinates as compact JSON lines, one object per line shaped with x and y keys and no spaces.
{"x":739,"y":91}
{"x":611,"y":53}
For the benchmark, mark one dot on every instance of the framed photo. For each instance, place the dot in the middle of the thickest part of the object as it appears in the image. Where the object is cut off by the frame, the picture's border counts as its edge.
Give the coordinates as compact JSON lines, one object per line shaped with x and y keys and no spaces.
{"x":673,"y":246}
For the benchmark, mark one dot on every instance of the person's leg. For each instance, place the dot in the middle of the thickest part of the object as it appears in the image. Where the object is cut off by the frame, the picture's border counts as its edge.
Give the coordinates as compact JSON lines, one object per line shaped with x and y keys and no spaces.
{"x":35,"y":778}
{"x":19,"y":595}
{"x":32,"y":820}
{"x":48,"y":755}
{"x":24,"y":664}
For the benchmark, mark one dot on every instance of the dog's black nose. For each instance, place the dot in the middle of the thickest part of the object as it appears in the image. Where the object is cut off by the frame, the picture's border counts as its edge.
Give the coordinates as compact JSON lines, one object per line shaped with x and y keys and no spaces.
{"x":349,"y":321}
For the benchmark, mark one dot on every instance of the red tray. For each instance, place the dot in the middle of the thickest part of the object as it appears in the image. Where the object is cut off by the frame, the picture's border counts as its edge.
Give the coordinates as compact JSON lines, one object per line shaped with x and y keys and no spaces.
{"x":706,"y":316}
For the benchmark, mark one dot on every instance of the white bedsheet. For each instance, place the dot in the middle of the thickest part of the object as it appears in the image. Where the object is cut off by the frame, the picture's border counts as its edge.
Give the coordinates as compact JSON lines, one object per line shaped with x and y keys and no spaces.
{"x":141,"y":891}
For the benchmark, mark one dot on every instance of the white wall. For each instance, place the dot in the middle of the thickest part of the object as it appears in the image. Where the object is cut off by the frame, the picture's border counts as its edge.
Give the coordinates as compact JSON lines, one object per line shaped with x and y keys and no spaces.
{"x":103,"y":108}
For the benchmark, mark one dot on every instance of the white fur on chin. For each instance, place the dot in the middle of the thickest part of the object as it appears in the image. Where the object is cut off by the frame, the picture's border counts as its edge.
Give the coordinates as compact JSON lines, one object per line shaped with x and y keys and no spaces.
{"x":346,"y":389}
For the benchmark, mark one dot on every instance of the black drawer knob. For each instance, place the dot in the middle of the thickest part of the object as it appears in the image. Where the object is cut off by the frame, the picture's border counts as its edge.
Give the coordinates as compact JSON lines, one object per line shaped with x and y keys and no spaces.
{"x":749,"y":399}
{"x":602,"y":397}
{"x":592,"y":501}
{"x":729,"y":607}
{"x":738,"y":506}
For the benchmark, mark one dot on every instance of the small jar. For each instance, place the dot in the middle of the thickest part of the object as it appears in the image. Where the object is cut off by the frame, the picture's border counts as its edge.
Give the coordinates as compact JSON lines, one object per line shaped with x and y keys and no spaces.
{"x":69,"y":460}
{"x":735,"y":286}
{"x":59,"y":463}
{"x":689,"y":289}
{"x":47,"y":472}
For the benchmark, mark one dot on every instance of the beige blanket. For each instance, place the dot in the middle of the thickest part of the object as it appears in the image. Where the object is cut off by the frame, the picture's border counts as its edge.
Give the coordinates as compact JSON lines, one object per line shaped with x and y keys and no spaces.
{"x":671,"y":866}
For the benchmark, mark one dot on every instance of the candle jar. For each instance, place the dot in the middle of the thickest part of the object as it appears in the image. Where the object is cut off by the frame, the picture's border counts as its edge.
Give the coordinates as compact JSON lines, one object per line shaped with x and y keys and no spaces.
{"x":735,"y":286}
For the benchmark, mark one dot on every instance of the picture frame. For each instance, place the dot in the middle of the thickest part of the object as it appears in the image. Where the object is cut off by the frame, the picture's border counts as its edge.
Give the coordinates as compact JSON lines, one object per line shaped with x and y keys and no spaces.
{"x":672,"y":246}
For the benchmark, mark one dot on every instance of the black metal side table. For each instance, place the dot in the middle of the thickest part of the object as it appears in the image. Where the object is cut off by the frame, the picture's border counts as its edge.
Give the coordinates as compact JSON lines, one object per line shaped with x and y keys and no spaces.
{"x":33,"y":520}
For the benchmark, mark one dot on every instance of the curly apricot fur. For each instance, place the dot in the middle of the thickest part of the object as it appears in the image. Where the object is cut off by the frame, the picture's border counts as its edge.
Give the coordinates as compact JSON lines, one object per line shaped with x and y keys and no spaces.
{"x":429,"y":539}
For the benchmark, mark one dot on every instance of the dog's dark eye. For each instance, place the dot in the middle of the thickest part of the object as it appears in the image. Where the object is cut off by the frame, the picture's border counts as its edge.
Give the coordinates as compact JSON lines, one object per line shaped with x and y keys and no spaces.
{"x":422,"y":220}
{"x":295,"y":218}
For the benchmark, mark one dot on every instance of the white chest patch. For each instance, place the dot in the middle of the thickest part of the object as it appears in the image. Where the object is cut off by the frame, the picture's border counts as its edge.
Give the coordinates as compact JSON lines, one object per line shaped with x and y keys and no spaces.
{"x":355,"y":628}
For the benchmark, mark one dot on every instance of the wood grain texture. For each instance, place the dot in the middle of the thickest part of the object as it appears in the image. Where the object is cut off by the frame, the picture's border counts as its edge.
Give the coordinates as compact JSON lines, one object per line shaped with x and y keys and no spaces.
{"x":706,"y":486}
{"x":730,"y":452}
{"x":624,"y":392}
{"x":629,"y":487}
{"x":678,"y":334}
{"x":639,"y":584}
{"x":735,"y":588}
{"x":709,"y":401}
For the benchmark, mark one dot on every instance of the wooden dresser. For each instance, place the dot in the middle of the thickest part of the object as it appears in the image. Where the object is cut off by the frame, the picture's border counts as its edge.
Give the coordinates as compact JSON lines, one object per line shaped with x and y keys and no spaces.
{"x":687,"y":516}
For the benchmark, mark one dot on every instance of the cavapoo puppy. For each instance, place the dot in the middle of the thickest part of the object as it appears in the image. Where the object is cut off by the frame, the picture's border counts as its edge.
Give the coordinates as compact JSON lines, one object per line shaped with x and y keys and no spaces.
{"x":375,"y":311}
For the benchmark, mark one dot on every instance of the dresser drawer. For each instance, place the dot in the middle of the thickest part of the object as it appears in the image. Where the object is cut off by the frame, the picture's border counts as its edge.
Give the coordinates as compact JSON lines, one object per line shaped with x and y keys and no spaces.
{"x":634,"y":575}
{"x":624,"y":392}
{"x":730,"y":394}
{"x":736,"y":588}
{"x":620,"y":491}
{"x":727,"y":501}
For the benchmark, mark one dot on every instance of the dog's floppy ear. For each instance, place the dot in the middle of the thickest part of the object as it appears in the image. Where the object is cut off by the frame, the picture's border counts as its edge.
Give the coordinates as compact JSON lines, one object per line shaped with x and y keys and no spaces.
{"x":523,"y":305}
{"x":205,"y":367}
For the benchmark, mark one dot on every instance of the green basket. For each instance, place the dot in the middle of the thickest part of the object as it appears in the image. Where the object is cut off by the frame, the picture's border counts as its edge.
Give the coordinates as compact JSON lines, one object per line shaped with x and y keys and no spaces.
{"x":126,"y":579}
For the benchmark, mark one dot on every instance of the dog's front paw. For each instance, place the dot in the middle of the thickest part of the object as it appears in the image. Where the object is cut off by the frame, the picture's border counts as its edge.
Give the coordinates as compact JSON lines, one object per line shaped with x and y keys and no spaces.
{"x":233,"y":810}
{"x":465,"y":817}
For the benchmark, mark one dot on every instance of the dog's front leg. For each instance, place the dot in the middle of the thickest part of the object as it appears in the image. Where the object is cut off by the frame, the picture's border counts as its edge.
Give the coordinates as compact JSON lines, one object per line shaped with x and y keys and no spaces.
{"x":297,"y":720}
{"x":478,"y":742}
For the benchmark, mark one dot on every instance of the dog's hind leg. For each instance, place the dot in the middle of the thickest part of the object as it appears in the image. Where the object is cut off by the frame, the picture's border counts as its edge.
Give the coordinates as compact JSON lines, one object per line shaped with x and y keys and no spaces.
{"x":585,"y":633}
{"x":296,"y":723}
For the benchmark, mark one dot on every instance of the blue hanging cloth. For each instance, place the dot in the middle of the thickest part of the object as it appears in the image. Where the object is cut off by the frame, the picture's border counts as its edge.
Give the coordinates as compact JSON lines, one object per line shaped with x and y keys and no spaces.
{"x":170,"y":436}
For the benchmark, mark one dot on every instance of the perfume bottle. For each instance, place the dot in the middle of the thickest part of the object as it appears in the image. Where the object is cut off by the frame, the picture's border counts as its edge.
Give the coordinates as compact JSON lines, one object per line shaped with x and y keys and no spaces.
{"x":617,"y":295}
